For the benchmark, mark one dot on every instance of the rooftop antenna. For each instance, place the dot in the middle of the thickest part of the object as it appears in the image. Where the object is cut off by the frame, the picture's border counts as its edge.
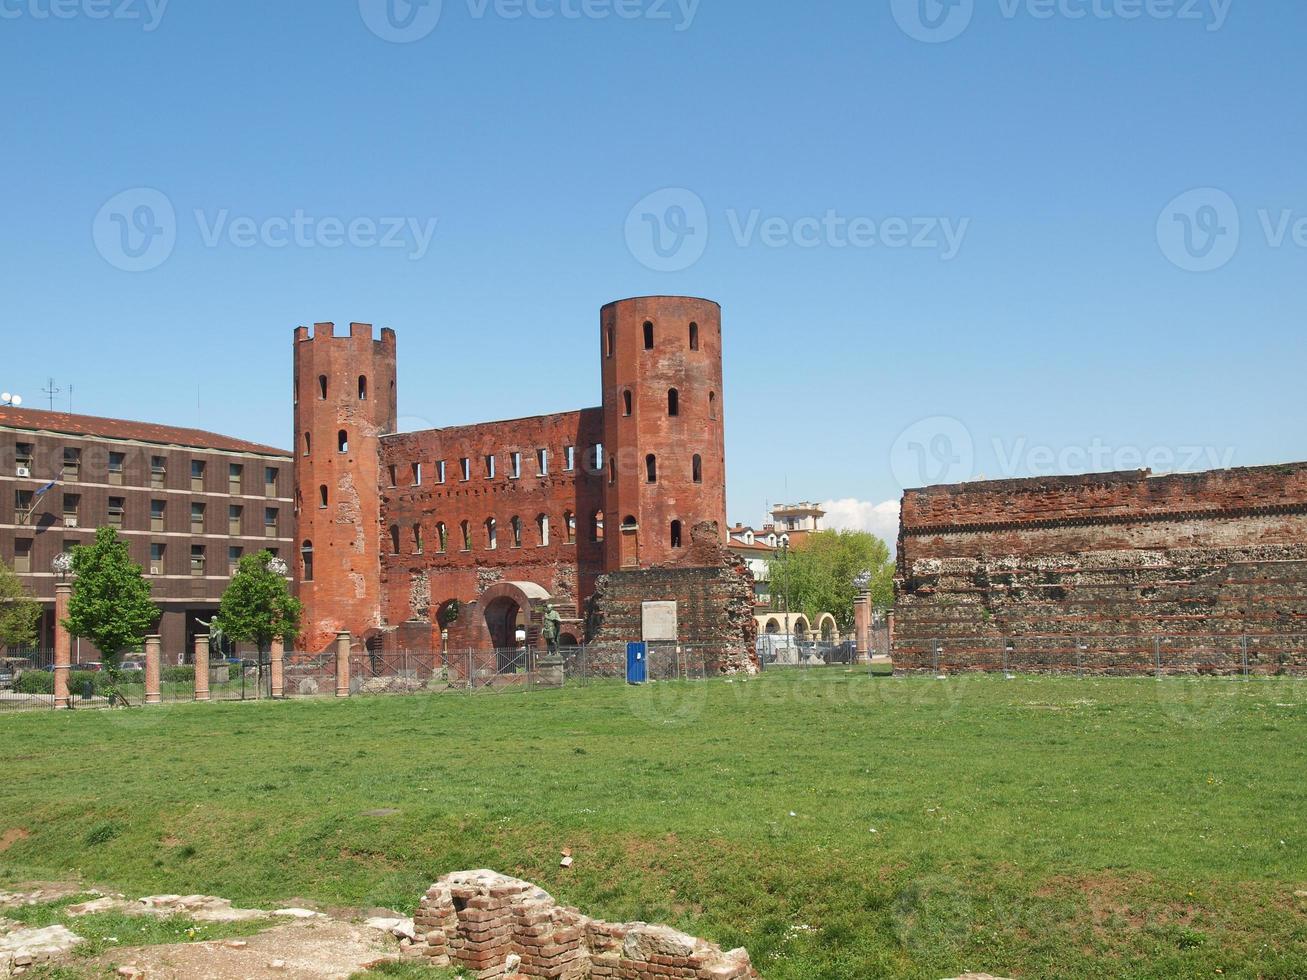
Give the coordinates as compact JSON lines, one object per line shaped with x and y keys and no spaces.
{"x":51,"y":390}
{"x":70,"y":399}
{"x":13,"y":401}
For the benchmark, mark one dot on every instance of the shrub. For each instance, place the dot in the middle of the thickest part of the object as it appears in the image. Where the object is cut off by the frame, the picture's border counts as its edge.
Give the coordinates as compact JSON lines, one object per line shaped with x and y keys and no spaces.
{"x":35,"y":682}
{"x":179,"y":675}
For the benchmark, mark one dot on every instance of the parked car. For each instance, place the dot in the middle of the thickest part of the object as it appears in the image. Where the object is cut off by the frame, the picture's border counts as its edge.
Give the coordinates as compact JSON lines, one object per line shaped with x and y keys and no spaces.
{"x":94,"y":666}
{"x":133,"y":666}
{"x":10,"y":668}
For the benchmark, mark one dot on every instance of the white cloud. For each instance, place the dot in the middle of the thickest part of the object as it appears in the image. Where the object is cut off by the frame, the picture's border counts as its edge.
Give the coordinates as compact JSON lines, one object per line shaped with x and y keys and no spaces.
{"x":851,"y":514}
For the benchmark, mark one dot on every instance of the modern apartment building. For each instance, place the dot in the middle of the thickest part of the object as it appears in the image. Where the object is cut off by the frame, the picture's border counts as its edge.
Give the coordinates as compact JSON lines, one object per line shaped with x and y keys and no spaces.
{"x":188,"y":503}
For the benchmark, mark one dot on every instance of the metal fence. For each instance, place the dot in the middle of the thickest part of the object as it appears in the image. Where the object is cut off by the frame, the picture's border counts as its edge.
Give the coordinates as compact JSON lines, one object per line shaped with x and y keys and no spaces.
{"x":1121,"y":656}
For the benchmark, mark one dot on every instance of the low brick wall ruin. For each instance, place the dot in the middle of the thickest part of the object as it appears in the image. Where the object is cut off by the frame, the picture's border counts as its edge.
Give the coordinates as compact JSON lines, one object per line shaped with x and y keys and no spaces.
{"x":495,"y":926}
{"x":1109,"y":573}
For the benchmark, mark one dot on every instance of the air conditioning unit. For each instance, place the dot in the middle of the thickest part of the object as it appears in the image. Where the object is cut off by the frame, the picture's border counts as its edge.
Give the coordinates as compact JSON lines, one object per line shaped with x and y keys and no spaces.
{"x":70,"y":520}
{"x":24,"y":473}
{"x":156,"y":570}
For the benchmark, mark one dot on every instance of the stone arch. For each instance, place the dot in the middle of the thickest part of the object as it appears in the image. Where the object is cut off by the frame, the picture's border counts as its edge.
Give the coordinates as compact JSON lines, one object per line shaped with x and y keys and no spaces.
{"x":827,"y":628}
{"x":773,"y":625}
{"x":801,"y":628}
{"x":506,"y":606}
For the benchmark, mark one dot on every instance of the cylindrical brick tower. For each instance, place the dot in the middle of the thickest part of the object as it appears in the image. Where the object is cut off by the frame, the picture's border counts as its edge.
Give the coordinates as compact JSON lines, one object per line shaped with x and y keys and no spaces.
{"x":344,"y":402}
{"x":664,"y":437}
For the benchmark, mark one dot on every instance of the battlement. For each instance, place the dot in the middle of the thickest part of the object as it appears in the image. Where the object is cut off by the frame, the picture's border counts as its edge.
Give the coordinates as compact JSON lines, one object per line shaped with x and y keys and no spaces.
{"x":357,"y":331}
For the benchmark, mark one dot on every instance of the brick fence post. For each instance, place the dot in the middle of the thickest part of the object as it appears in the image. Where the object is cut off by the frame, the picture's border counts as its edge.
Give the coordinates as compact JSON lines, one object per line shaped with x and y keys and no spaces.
{"x":342,"y":665}
{"x":277,"y":661}
{"x":63,"y":645}
{"x":202,"y":667}
{"x":153,"y":653}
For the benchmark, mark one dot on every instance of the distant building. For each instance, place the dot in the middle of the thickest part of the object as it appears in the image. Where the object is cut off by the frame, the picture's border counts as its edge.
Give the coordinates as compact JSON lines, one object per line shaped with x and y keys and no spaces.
{"x":188,"y":503}
{"x":789,"y":528}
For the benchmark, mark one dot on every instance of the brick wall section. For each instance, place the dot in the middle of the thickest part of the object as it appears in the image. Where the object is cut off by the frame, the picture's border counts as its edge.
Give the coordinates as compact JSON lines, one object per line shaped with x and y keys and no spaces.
{"x":495,"y":926}
{"x":566,"y":569}
{"x":713,"y":590}
{"x":1108,"y":560}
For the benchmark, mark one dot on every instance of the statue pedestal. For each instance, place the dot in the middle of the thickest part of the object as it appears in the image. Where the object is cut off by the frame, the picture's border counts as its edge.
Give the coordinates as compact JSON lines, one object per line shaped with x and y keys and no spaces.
{"x":549,"y":671}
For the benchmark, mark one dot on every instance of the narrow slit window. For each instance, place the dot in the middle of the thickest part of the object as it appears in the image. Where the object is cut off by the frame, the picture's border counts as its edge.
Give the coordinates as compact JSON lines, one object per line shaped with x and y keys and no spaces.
{"x":648,"y":335}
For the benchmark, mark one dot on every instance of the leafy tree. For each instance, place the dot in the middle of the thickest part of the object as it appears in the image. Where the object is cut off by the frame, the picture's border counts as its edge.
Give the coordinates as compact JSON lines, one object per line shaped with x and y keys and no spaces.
{"x":110,"y":604}
{"x":258,"y":607}
{"x":19,"y":612}
{"x":818,"y":575}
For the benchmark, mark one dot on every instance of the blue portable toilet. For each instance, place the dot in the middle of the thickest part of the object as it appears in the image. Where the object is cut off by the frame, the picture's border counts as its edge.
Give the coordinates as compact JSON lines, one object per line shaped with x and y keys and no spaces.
{"x":637,"y":667}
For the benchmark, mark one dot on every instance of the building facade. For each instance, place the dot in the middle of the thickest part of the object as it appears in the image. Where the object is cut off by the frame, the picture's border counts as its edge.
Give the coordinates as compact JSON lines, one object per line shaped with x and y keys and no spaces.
{"x":188,"y":503}
{"x":462,"y":536}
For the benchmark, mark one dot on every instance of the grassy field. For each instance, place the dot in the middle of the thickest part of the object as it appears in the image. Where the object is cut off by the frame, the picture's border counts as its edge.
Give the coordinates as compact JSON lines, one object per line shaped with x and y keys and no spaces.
{"x":838,"y":826}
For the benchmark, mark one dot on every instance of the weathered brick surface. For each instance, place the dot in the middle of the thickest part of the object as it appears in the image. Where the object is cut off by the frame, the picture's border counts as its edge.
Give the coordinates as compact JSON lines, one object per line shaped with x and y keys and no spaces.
{"x":345,"y":534}
{"x":381,"y":570}
{"x":1109,"y":561}
{"x":487,"y":923}
{"x":712,"y":588}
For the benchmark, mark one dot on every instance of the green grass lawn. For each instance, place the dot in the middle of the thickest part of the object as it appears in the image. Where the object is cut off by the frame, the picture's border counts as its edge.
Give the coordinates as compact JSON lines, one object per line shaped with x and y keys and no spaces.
{"x":838,"y":826}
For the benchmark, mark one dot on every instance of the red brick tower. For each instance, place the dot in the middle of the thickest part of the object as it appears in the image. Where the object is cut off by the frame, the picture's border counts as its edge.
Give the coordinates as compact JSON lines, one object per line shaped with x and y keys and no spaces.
{"x":664,"y":437}
{"x":344,"y":401}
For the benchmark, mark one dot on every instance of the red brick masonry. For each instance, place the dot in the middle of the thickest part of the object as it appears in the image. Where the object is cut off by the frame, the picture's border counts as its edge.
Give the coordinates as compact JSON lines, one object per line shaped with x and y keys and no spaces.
{"x":496,"y":926}
{"x":1107,"y":563}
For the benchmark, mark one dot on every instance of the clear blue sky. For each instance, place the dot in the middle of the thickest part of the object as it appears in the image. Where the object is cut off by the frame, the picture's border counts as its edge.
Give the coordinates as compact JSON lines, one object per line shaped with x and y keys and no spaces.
{"x":1063,"y":321}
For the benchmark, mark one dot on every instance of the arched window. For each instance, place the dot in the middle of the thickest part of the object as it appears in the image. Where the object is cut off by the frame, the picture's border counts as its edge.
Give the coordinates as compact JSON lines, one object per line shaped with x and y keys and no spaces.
{"x":676,"y":534}
{"x":630,"y":524}
{"x":306,"y":556}
{"x":442,"y":537}
{"x":322,"y":497}
{"x":697,"y":466}
{"x":651,"y":468}
{"x":597,"y":526}
{"x":626,"y":402}
{"x":648,"y":335}
{"x":322,"y":387}
{"x":394,"y":539}
{"x":308,"y":443}
{"x":342,"y":441}
{"x":467,"y":535}
{"x":492,"y":534}
{"x":542,"y":529}
{"x":569,"y":522}
{"x":673,"y":402}
{"x":608,"y":341}
{"x":363,"y":387}
{"x":417,"y":539}
{"x":694,"y":336}
{"x":712,"y":404}
{"x":517,"y":531}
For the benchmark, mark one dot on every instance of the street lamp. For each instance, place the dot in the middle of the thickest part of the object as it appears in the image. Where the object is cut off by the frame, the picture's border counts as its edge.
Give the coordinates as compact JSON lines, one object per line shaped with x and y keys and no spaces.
{"x":278,"y":566}
{"x":62,"y":565}
{"x":11,"y":400}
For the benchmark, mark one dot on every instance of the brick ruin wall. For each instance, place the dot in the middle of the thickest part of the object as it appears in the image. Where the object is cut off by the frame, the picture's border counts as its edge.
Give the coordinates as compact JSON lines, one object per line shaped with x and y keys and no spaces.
{"x":494,"y":926}
{"x":714,"y":595}
{"x":416,"y":584}
{"x":1109,"y":571}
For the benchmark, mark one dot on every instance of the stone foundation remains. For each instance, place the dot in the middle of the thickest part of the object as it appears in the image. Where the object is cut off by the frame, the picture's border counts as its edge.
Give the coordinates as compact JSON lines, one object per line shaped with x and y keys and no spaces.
{"x":495,"y":926}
